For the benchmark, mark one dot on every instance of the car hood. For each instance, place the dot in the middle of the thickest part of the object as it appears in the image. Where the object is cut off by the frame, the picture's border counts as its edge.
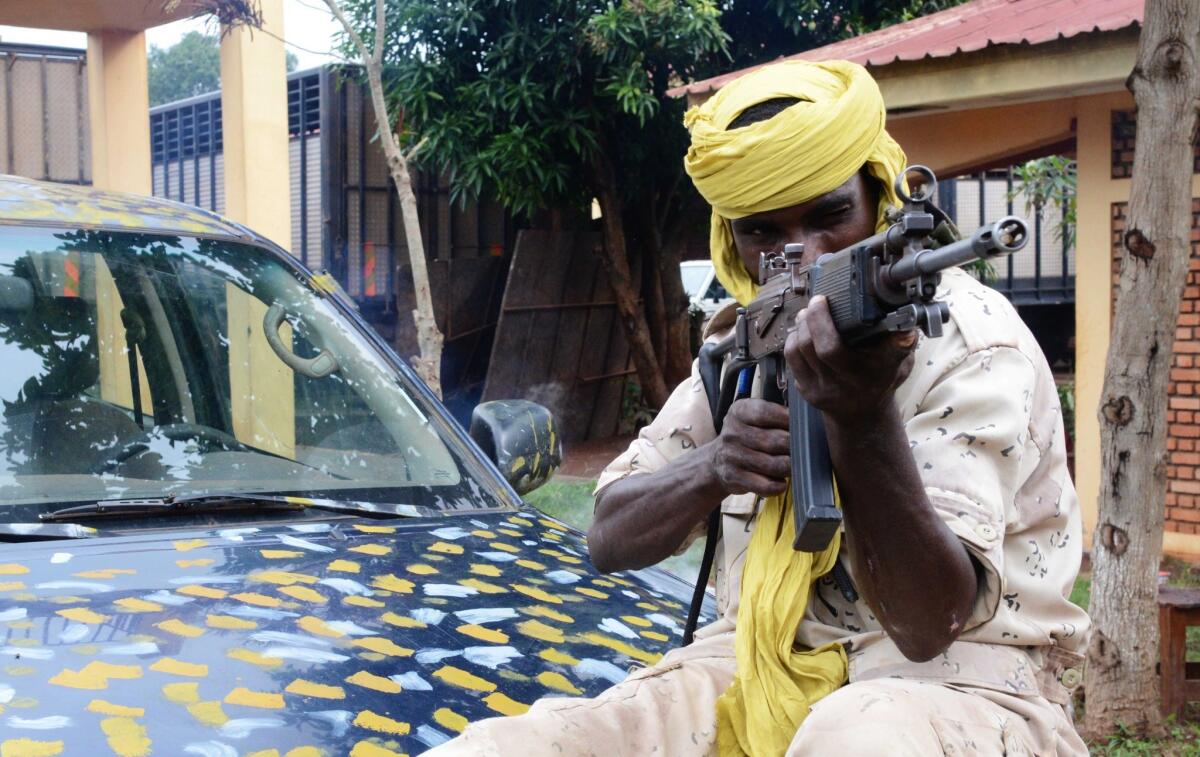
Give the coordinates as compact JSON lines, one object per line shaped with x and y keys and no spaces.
{"x":318,"y":635}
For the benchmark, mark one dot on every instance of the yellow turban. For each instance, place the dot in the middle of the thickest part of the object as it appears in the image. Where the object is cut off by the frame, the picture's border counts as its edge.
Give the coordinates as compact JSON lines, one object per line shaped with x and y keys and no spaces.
{"x":810,"y":148}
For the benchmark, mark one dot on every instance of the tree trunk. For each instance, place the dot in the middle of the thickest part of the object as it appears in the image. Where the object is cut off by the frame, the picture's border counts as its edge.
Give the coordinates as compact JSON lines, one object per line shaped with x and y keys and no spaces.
{"x":679,"y":325}
{"x":429,"y":338}
{"x":1121,"y":683}
{"x":633,"y":317}
{"x":652,"y":293}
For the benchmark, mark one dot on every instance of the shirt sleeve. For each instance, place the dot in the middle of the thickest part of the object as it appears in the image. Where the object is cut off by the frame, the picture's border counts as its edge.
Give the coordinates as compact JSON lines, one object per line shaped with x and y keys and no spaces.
{"x":684,"y":423}
{"x":971,"y":443}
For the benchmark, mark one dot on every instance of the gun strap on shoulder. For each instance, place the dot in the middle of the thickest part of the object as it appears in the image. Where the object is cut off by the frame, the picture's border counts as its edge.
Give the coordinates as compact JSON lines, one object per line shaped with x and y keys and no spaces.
{"x":711,"y":535}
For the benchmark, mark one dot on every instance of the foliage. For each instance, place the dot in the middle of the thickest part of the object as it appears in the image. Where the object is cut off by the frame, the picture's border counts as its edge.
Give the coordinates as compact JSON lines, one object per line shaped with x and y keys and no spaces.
{"x":1066,"y":399}
{"x":1180,"y":739}
{"x":190,"y":67}
{"x":1051,"y":179}
{"x":635,"y":412}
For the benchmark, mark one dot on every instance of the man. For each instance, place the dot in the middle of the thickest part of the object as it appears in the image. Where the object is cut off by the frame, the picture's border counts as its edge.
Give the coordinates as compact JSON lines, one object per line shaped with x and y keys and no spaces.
{"x":948,"y":629}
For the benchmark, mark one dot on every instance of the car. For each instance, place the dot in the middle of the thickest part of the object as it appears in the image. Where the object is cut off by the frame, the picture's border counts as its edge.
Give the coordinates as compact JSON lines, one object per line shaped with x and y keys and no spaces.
{"x":235,"y":522}
{"x":705,"y":293}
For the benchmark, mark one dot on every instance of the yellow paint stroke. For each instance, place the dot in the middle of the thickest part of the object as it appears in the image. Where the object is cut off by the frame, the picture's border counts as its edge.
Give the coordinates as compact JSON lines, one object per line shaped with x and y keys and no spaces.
{"x":344,"y":566}
{"x":12,"y":585}
{"x":531,"y":564}
{"x":541,"y":611}
{"x":25,"y":642}
{"x":229,"y":623}
{"x":569,"y":559}
{"x":317,"y":626}
{"x":647,"y":606}
{"x":23,"y":703}
{"x":304,"y":594}
{"x":587,"y":591}
{"x":30,"y":748}
{"x":383,"y":646}
{"x":605,"y":583}
{"x":483,"y":534}
{"x":512,"y":675}
{"x":184,"y":692}
{"x":375,"y":722}
{"x":359,"y":601}
{"x":502,"y":704}
{"x":557,"y":657}
{"x":205,"y":592}
{"x":254,"y":658}
{"x":208,"y":713}
{"x":538,"y":594}
{"x":267,"y":700}
{"x":401,"y":621}
{"x":621,"y":647}
{"x":491,"y":571}
{"x":490,"y":635}
{"x":253,"y":598}
{"x":187,"y":545}
{"x":178,"y":668}
{"x":126,"y":737}
{"x":420,"y":569}
{"x":445,"y":548}
{"x":199,"y":562}
{"x":511,"y":532}
{"x":551,"y":536}
{"x":85,"y":649}
{"x":95,"y":675}
{"x":24,"y":596}
{"x":68,"y":600}
{"x":520,"y":521}
{"x":459,"y":677}
{"x":448,"y":718}
{"x":371,"y":549}
{"x":623,"y":582}
{"x":105,"y":573}
{"x":133,"y":604}
{"x":434,"y":558}
{"x":12,"y":569}
{"x":280,"y":554}
{"x":179,"y":628}
{"x":265,"y":753}
{"x":552,"y":525}
{"x":301,"y":687}
{"x":654,"y":635}
{"x":83,"y":615}
{"x":367,"y":749}
{"x":504,"y":547}
{"x":390,"y":582}
{"x":372,"y":681}
{"x":304,"y":751}
{"x":281,"y":577}
{"x":538,"y":630}
{"x":20,"y":670}
{"x":517,"y":464}
{"x":108,"y":708}
{"x":558,"y":682}
{"x":482,"y":586}
{"x":375,"y":529}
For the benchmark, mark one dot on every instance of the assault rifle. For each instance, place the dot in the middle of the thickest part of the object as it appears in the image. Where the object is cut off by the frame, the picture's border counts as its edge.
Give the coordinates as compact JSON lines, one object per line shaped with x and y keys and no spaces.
{"x":884,"y":283}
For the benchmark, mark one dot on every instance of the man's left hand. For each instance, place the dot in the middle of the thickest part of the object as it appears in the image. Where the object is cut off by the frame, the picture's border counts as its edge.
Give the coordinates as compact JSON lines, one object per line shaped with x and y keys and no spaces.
{"x":845,"y":382}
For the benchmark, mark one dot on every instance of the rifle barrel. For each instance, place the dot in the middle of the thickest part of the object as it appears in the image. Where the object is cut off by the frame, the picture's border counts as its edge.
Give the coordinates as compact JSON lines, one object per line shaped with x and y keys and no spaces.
{"x":1003,"y":237}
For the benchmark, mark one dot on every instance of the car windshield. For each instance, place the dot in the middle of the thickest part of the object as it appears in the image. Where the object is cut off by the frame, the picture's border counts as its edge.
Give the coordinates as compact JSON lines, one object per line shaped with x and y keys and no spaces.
{"x":694,"y":277}
{"x":138,"y":365}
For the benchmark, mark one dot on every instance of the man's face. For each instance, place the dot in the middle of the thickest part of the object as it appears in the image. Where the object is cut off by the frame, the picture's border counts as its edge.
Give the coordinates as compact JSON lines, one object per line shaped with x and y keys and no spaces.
{"x":831,"y":222}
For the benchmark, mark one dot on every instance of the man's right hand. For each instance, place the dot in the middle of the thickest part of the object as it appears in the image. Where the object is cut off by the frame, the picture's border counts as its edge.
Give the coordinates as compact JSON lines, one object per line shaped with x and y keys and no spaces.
{"x":751,"y":454}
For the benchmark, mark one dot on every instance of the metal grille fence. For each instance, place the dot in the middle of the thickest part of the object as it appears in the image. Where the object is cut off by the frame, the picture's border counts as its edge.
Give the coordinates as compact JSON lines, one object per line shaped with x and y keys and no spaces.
{"x":44,"y":131}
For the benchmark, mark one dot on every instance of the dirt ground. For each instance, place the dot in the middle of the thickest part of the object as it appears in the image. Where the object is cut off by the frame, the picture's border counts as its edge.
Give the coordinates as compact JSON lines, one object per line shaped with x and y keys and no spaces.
{"x":585,"y":460}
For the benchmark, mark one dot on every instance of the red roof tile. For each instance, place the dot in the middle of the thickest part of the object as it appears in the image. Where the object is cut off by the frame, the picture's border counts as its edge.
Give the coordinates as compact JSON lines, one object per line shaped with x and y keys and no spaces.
{"x":963,"y":29}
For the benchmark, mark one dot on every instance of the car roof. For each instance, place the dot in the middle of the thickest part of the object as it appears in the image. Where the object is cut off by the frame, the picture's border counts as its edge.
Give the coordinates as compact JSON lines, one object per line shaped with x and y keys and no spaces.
{"x":42,"y":203}
{"x":696,"y":263}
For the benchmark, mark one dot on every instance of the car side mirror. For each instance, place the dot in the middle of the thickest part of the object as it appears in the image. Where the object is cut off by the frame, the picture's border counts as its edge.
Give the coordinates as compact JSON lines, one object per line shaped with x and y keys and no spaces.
{"x":521,"y":438}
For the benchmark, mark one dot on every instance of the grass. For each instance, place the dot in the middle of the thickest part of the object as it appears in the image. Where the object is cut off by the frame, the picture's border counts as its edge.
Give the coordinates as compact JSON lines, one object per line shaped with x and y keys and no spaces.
{"x":570,"y":500}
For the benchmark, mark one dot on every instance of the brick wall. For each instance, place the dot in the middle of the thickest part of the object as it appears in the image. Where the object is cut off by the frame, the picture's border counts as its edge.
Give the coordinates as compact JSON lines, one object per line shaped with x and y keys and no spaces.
{"x":1124,"y":134}
{"x":1183,"y":403}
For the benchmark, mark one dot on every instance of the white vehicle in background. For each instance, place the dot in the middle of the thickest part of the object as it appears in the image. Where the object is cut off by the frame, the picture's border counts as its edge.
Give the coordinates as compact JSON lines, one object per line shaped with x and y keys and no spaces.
{"x":703,"y":289}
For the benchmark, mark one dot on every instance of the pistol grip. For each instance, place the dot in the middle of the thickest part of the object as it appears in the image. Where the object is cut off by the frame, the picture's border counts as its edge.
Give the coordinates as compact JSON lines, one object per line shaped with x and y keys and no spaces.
{"x":817,"y":516}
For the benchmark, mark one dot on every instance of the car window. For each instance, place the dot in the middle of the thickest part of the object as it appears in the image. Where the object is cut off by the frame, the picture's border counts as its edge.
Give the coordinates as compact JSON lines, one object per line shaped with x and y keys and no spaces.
{"x":149,"y":365}
{"x":715,"y":291}
{"x":694,"y":277}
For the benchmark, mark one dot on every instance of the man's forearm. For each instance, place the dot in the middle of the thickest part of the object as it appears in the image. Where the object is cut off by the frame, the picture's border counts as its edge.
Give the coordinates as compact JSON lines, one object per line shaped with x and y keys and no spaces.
{"x":641,"y":520}
{"x":901,"y":547}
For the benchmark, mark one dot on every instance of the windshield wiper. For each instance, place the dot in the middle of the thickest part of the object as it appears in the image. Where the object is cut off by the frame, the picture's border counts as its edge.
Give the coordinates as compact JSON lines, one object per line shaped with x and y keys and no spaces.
{"x":198,"y":503}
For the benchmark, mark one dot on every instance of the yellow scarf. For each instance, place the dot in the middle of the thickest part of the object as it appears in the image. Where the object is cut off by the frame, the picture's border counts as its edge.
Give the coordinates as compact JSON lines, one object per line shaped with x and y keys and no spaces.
{"x":809,"y":149}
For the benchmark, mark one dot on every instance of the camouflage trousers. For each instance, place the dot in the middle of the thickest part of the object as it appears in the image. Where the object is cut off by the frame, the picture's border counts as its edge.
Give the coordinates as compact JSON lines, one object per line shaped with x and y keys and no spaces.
{"x":669,"y":709}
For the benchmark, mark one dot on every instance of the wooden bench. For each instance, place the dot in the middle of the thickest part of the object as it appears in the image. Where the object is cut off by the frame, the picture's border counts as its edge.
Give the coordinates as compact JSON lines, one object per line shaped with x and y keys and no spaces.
{"x":1180,"y":679}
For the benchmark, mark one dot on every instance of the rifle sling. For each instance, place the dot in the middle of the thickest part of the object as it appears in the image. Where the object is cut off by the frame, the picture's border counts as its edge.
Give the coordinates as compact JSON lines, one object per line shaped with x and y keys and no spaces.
{"x":711,"y":536}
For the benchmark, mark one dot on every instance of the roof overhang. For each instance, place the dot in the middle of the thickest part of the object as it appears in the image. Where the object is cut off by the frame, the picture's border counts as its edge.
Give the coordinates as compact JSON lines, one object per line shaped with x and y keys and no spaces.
{"x":98,"y":15}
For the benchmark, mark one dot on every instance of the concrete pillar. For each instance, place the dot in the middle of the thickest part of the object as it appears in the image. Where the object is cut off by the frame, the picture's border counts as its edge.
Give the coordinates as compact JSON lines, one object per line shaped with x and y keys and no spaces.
{"x":254,"y":106}
{"x":118,"y":106}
